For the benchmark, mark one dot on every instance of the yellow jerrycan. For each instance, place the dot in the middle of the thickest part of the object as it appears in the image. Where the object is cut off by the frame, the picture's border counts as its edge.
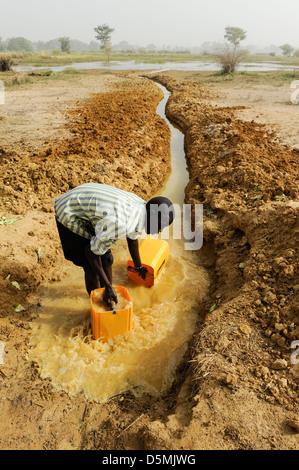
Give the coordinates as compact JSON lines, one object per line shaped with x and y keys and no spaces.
{"x":154,"y":254}
{"x":105,"y":323}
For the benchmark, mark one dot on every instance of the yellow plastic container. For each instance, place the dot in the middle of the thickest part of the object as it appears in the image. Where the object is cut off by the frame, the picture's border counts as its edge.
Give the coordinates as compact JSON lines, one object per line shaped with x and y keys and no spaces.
{"x":106,"y":325}
{"x":154,"y":254}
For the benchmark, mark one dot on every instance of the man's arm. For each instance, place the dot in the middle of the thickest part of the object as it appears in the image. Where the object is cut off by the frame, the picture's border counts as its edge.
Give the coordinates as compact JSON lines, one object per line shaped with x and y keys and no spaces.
{"x":97,"y":266}
{"x":133,"y":246}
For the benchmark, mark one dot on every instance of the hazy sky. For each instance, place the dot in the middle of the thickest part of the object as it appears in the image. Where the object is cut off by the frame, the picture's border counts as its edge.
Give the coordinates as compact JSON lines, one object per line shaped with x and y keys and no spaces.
{"x":161,"y":22}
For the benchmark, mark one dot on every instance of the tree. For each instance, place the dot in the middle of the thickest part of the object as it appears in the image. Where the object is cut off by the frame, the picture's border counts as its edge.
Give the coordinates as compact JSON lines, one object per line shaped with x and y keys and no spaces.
{"x":287,"y":49}
{"x":19,"y":44}
{"x":103,"y":35}
{"x":234,"y":35}
{"x":65,"y":45}
{"x":2,"y":45}
{"x":230,"y":58}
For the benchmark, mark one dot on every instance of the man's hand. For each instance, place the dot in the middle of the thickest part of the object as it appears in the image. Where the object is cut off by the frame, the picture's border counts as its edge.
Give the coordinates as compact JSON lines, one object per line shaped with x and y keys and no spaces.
{"x":109,"y":296}
{"x":142,"y":272}
{"x":134,"y":252}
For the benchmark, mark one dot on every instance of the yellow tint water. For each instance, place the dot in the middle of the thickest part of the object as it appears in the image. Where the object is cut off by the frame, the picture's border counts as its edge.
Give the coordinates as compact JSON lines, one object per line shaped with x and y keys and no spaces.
{"x":99,"y":305}
{"x":144,"y":360}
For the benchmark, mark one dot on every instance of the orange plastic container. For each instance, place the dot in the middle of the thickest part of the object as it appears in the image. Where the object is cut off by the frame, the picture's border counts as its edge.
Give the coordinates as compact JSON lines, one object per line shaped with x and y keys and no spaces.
{"x":154,"y":254}
{"x":106,"y":325}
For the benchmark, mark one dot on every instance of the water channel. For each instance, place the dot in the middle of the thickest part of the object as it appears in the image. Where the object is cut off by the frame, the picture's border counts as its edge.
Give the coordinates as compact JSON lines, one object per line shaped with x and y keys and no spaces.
{"x":164,"y":317}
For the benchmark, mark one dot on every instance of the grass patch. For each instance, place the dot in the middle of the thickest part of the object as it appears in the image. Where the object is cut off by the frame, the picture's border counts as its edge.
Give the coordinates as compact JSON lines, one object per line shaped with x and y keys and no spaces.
{"x":67,"y":73}
{"x":57,"y":58}
{"x":71,"y":71}
{"x":271,"y":78}
{"x":14,"y":79}
{"x":279,"y":59}
{"x":16,"y":121}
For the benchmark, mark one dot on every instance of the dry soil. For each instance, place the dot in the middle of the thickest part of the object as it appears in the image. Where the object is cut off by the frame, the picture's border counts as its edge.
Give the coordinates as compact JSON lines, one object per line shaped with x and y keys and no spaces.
{"x":237,"y":387}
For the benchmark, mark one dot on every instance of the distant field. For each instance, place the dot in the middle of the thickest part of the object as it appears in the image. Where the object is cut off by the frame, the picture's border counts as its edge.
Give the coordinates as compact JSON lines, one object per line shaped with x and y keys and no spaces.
{"x":56,"y":58}
{"x":276,"y":78}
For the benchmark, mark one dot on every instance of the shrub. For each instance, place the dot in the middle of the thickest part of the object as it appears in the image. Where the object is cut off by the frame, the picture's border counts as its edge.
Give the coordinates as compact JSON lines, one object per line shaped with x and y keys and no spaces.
{"x":229,"y":59}
{"x":5,"y":63}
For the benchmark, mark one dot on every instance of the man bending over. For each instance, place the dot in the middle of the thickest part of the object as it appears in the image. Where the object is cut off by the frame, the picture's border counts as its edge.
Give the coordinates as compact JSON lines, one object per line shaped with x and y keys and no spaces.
{"x":92,"y":217}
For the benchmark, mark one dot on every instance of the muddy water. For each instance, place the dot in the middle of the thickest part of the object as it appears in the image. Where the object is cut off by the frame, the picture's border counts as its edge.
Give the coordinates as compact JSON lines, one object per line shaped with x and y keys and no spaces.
{"x":164,"y":318}
{"x":174,"y":187}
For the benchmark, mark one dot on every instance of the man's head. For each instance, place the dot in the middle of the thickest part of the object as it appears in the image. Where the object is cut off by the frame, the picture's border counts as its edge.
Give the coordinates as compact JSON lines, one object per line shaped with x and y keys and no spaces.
{"x":159,"y":214}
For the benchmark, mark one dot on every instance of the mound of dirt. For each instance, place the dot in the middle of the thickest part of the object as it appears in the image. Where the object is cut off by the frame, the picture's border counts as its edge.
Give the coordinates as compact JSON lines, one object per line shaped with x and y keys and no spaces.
{"x":248,"y":184}
{"x":117,"y":139}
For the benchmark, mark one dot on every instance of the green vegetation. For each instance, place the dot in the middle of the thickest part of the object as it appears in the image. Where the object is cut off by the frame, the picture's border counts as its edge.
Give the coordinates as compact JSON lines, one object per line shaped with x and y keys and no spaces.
{"x":103,"y":35}
{"x":279,"y":59}
{"x":57,"y":57}
{"x":5,"y":63}
{"x":7,"y":221}
{"x":287,"y":49}
{"x":19,"y":44}
{"x":13,"y":79}
{"x":65,"y":45}
{"x":234,"y":35}
{"x":230,"y":57}
{"x":246,"y":78}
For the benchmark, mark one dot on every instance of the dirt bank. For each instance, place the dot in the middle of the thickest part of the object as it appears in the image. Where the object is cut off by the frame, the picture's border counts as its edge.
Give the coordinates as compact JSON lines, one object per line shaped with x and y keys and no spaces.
{"x":114,"y":137}
{"x":248,"y":184}
{"x":237,"y":388}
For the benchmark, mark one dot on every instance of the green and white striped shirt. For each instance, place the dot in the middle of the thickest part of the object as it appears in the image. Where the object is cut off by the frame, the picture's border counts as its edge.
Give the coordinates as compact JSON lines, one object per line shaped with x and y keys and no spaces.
{"x":101,"y":213}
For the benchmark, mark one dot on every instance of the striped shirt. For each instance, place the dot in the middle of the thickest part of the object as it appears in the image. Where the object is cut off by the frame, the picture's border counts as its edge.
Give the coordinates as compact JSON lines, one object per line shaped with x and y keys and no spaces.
{"x":101,"y":213}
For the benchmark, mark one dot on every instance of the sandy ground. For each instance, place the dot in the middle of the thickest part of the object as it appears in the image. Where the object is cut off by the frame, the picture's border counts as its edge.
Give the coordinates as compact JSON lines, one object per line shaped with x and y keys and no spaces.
{"x":264,"y":104}
{"x":237,"y":387}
